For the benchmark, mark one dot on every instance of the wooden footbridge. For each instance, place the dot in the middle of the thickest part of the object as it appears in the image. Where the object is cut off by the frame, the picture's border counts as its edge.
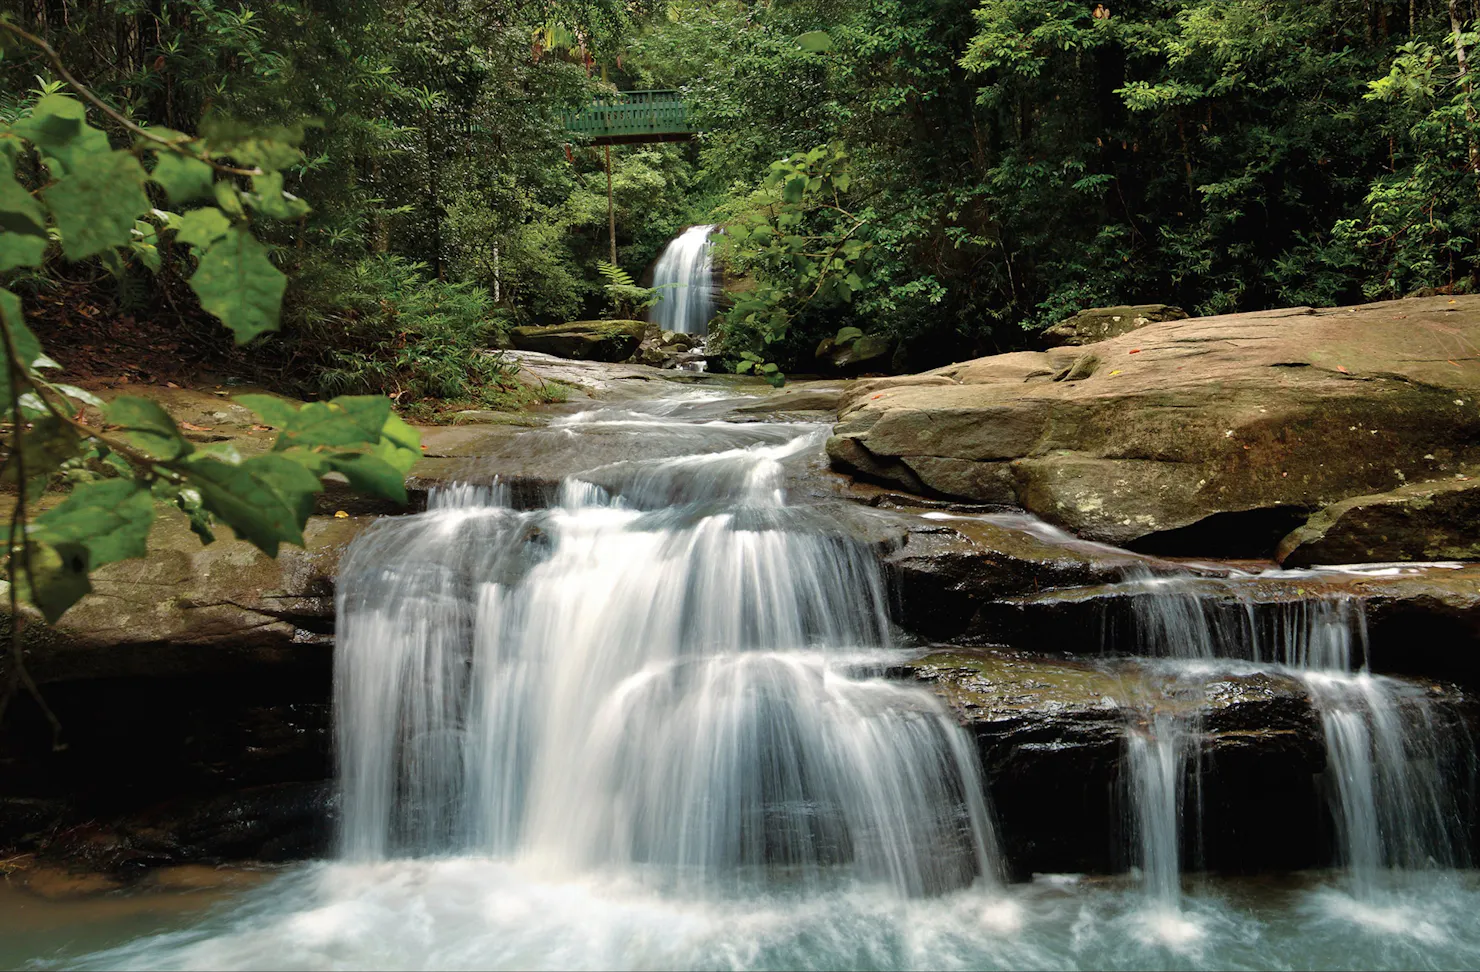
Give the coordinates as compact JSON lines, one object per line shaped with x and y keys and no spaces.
{"x":633,"y":117}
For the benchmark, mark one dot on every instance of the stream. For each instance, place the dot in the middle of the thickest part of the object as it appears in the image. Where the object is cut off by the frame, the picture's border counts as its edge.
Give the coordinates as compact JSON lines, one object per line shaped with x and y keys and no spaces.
{"x":644,"y":725}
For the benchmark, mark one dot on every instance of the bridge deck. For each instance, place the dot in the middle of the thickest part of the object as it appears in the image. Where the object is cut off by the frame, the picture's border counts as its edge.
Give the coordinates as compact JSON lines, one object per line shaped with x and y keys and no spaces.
{"x":634,"y":116}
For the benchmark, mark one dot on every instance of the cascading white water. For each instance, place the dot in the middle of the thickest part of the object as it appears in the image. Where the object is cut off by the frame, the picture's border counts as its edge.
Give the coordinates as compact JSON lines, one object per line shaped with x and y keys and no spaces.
{"x":684,"y":276}
{"x":1385,"y":765}
{"x":618,"y":682}
{"x":624,"y":732}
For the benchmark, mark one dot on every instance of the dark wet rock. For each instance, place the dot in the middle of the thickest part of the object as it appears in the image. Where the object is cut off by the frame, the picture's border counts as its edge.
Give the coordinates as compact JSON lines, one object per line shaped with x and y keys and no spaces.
{"x":582,"y":340}
{"x":1418,"y":621}
{"x":1209,"y":436}
{"x":269,"y":824}
{"x":1051,"y":734}
{"x":947,"y":569}
{"x":1102,"y":323}
{"x":668,"y":349}
{"x":1418,"y":521}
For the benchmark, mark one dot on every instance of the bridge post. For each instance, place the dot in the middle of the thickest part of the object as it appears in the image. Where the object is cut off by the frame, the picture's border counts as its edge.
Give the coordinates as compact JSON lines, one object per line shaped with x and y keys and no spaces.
{"x":611,"y":213}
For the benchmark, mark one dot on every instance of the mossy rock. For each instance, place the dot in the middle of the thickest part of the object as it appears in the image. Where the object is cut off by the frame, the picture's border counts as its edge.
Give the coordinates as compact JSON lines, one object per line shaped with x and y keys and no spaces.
{"x":583,"y":340}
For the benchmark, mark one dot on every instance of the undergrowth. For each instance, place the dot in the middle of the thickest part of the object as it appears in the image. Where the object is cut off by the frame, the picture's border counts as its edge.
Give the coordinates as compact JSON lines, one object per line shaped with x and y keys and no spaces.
{"x":384,"y":325}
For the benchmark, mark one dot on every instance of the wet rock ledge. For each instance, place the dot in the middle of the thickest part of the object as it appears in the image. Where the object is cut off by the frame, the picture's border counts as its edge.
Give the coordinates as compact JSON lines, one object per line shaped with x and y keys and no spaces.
{"x":1051,"y":734}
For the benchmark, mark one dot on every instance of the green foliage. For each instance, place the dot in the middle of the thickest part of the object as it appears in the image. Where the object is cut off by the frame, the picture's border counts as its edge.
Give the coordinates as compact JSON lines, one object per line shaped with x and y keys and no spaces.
{"x":395,"y":330}
{"x":89,"y":197}
{"x":1022,"y":159}
{"x":806,"y":249}
{"x":628,"y":301}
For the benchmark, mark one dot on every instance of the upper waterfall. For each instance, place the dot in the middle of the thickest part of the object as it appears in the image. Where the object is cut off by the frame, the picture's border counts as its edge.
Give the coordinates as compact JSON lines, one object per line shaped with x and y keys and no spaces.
{"x":684,"y":275}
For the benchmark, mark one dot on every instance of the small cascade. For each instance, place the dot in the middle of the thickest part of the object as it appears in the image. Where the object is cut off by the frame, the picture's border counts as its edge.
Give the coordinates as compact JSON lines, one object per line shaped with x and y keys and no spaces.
{"x":651,"y":675}
{"x":684,"y":277}
{"x":1157,"y":756}
{"x":1386,"y":756}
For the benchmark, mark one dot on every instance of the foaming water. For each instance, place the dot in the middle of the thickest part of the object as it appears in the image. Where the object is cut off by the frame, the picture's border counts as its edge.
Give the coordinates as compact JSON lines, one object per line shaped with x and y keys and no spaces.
{"x":1390,"y":771}
{"x":480,"y":912}
{"x":644,"y":675}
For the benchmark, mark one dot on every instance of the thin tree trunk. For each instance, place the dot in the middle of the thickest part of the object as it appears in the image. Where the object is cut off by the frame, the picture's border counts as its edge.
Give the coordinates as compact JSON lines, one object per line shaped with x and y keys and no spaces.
{"x":436,"y":206}
{"x":1464,"y":77}
{"x":611,"y":212}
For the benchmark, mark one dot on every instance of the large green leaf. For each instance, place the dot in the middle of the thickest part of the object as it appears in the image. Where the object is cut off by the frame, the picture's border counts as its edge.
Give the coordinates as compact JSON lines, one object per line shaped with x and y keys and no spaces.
{"x":58,"y":126}
{"x":815,"y":41}
{"x":111,"y":518}
{"x":270,"y":199}
{"x":332,"y":424}
{"x":149,"y":427}
{"x":27,"y":347}
{"x":293,"y":483}
{"x":236,"y":282}
{"x":252,"y":143}
{"x":202,"y":227}
{"x":400,"y":444}
{"x":371,"y":475}
{"x":273,"y":410}
{"x":369,"y":412}
{"x":96,"y":203}
{"x":183,"y":178}
{"x":56,"y":579}
{"x":44,"y":447}
{"x":246,"y":502}
{"x":22,"y":222}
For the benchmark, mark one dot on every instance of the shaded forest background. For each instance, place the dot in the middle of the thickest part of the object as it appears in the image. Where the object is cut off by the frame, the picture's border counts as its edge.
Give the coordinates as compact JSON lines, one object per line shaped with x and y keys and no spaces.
{"x":990,"y":167}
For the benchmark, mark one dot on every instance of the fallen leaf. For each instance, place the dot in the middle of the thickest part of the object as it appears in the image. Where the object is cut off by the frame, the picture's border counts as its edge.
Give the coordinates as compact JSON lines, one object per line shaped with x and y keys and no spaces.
{"x":171,"y":384}
{"x":1342,"y":370}
{"x":341,"y":515}
{"x":261,"y":428}
{"x":1134,"y":351}
{"x":195,"y":428}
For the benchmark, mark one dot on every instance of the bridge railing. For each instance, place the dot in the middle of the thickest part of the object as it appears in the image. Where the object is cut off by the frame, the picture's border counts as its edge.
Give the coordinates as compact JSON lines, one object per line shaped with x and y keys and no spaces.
{"x":634,"y":116}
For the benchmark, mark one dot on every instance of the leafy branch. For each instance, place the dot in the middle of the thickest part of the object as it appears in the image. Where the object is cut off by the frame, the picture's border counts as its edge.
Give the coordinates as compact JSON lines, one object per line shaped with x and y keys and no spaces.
{"x":86,"y":199}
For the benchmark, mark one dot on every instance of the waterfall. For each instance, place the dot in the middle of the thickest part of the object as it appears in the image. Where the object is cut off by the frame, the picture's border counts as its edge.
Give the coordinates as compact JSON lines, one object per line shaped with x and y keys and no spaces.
{"x":653,"y":674}
{"x":684,"y":276}
{"x":1386,"y":758}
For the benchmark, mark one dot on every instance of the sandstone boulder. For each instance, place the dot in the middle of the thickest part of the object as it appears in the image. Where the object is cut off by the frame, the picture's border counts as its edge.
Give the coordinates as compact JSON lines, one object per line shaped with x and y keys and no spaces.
{"x":1214,"y":435}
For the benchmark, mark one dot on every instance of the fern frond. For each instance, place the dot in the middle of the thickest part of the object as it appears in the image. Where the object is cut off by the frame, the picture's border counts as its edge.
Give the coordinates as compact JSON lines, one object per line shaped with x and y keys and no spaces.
{"x":615,"y":275}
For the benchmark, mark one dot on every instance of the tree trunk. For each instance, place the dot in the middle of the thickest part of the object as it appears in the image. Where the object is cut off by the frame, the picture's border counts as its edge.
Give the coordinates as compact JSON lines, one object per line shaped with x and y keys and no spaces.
{"x":1464,"y":77}
{"x":436,"y":209}
{"x":611,"y":212}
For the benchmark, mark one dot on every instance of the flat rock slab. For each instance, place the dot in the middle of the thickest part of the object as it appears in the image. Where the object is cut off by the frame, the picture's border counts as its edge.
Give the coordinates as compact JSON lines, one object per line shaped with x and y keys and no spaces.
{"x":1214,"y":435}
